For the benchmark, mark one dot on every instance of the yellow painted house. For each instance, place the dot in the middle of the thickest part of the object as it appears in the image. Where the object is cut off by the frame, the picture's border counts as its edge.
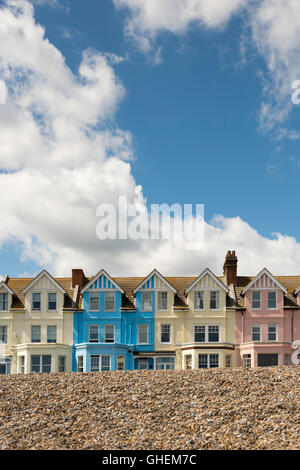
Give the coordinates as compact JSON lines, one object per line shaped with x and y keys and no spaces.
{"x":36,"y":318}
{"x":196,"y":324}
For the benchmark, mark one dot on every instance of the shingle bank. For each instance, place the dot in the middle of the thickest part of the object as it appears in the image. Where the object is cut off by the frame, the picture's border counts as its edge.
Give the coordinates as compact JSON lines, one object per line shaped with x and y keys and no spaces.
{"x":206,"y":409}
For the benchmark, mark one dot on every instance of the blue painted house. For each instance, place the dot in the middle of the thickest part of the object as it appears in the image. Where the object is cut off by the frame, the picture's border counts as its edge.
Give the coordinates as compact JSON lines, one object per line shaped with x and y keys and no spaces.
{"x":114,"y":330}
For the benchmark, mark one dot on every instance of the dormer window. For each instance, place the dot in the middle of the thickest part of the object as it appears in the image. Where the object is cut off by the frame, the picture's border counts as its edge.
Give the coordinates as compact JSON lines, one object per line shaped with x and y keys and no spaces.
{"x":3,"y":302}
{"x":52,"y":301}
{"x":256,"y":300}
{"x":162,"y":300}
{"x":214,"y":300}
{"x":272,"y":301}
{"x":147,"y":301}
{"x":199,"y":300}
{"x":36,"y":301}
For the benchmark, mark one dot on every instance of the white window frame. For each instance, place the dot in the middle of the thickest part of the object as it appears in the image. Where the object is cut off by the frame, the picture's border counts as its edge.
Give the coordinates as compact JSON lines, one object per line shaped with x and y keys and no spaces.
{"x":96,"y":294}
{"x":95,"y":326}
{"x":200,"y":294}
{"x":31,"y":339}
{"x":217,"y":292}
{"x":228,"y":360}
{"x":51,"y":326}
{"x":4,"y":302}
{"x":113,"y":294}
{"x":139,"y":333}
{"x":106,"y":326}
{"x":4,"y":334}
{"x":159,"y":300}
{"x":148,"y":293}
{"x":188,"y":361}
{"x":100,"y":362}
{"x":52,"y":309}
{"x":22,"y":364}
{"x":161,"y":333}
{"x":252,"y":300}
{"x":123,"y":362}
{"x":206,"y":333}
{"x":272,"y":292}
{"x":209,"y":360}
{"x":36,"y":309}
{"x":41,"y":362}
{"x":276,"y":333}
{"x":247,"y":358}
{"x":80,"y":363}
{"x":64,"y":363}
{"x":256,"y":325}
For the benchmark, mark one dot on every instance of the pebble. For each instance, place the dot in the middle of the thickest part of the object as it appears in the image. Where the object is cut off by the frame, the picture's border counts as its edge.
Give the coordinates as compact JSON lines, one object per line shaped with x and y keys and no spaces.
{"x":152,"y":410}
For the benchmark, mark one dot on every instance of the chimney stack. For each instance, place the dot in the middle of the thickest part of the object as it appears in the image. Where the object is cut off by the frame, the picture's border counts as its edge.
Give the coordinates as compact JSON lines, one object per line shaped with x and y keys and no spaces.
{"x":78,"y":278}
{"x":230,"y":268}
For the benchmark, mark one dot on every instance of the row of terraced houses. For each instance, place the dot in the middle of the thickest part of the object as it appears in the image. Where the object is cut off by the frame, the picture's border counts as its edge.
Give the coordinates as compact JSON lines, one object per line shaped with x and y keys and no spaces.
{"x":104,"y":323}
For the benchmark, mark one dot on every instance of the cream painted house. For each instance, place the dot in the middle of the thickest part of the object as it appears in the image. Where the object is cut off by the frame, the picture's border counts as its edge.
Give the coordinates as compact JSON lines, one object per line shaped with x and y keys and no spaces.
{"x":195,"y":323}
{"x":36,"y":324}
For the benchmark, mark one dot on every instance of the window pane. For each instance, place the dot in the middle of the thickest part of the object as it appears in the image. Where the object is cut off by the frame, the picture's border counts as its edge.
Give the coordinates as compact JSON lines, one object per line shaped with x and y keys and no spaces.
{"x":3,"y":334}
{"x":256,"y":299}
{"x":214,"y":300}
{"x":109,"y":333}
{"x":120,"y":363}
{"x":143,"y":364}
{"x":52,"y":301}
{"x":35,"y":334}
{"x":188,"y":361}
{"x":61,"y":363}
{"x":255,"y":332}
{"x":247,"y":360}
{"x":199,"y":301}
{"x":163,"y":300}
{"x":46,"y":364}
{"x":199,"y":332}
{"x":94,"y":333}
{"x":36,"y":301}
{"x":147,"y":301}
{"x":165,"y":333}
{"x":35,"y":363}
{"x":80,"y":364}
{"x":213,"y":334}
{"x":105,"y":363}
{"x":213,"y":360}
{"x":272,"y":332}
{"x":3,"y":301}
{"x":95,"y":302}
{"x":143,"y":334}
{"x":51,"y":334}
{"x":202,"y":361}
{"x":109,"y":301}
{"x":228,"y":361}
{"x":95,"y":363}
{"x":271,"y":299}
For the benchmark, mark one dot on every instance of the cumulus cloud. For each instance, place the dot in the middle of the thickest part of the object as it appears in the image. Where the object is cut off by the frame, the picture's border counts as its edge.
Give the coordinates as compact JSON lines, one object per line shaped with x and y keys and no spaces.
{"x":61,"y":155}
{"x":275,"y":26}
{"x":147,"y":19}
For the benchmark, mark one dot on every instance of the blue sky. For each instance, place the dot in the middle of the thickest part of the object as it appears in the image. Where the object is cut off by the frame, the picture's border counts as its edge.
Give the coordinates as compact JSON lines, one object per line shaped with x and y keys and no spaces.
{"x":193,"y":118}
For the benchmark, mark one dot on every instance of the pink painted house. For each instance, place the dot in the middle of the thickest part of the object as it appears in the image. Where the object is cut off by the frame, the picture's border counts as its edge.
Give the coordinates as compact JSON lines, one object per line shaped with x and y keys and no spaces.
{"x":267,"y":317}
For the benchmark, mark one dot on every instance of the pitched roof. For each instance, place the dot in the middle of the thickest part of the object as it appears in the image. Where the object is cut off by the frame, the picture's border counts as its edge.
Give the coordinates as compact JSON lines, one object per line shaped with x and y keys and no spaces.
{"x":18,"y":285}
{"x":208,"y":272}
{"x":102,"y":272}
{"x":289,"y":282}
{"x":263,"y":272}
{"x":154,"y":273}
{"x":39,"y":276}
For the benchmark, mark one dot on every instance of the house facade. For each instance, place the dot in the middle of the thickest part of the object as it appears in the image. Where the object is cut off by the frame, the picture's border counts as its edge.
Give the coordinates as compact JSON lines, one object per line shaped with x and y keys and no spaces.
{"x":36,"y":324}
{"x":103,"y":323}
{"x":268,"y":322}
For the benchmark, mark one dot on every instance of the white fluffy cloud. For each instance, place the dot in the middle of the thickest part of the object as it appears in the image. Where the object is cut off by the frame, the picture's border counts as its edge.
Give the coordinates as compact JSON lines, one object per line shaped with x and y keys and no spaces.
{"x":275,"y":26}
{"x":61,"y":155}
{"x":149,"y":18}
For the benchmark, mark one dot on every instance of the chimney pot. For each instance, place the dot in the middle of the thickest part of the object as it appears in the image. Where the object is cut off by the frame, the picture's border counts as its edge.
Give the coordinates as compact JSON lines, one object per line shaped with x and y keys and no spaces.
{"x":230,"y":268}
